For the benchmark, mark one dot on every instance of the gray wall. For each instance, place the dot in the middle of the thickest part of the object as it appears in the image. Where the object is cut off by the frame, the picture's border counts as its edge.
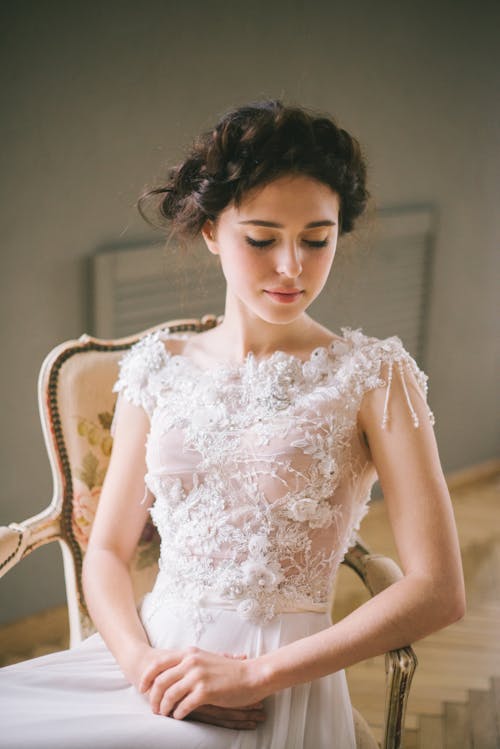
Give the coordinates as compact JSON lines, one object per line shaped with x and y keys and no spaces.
{"x":96,"y":96}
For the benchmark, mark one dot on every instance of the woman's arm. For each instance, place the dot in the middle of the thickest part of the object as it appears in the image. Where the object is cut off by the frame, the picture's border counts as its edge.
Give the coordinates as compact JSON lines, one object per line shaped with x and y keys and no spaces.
{"x":428,"y":597}
{"x":431,"y":593}
{"x":117,"y":527}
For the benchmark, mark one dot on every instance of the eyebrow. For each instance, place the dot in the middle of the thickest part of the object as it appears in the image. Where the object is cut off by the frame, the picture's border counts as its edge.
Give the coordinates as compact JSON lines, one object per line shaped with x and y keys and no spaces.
{"x":274,"y":225}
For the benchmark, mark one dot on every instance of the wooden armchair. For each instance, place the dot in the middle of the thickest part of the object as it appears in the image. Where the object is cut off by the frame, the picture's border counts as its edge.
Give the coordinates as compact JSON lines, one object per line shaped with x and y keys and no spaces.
{"x":76,"y":407}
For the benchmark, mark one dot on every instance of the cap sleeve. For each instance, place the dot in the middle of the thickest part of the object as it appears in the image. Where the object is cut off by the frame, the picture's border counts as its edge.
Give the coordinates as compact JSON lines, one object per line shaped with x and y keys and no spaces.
{"x":137,"y":369}
{"x":378,"y":362}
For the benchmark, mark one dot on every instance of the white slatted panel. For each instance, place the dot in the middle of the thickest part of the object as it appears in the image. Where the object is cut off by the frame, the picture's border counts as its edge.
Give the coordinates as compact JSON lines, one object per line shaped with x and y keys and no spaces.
{"x":385,"y":291}
{"x":138,"y":287}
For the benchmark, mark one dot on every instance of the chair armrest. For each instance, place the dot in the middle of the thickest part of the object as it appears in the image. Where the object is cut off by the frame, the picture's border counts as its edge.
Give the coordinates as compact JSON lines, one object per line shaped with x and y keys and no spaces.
{"x":17,"y":540}
{"x":377,"y":573}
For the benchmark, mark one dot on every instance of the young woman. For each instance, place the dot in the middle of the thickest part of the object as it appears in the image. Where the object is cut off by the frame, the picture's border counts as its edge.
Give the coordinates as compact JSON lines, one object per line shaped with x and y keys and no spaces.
{"x":258,"y":441}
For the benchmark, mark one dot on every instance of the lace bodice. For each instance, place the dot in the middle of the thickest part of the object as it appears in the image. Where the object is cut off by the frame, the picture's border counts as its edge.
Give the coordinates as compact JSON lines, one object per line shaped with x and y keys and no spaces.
{"x":259,"y":476}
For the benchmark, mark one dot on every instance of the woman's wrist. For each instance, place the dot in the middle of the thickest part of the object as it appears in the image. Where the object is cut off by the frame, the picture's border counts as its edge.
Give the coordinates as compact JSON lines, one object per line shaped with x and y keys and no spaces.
{"x":263,"y":675}
{"x":131,"y":659}
{"x":298,"y":662}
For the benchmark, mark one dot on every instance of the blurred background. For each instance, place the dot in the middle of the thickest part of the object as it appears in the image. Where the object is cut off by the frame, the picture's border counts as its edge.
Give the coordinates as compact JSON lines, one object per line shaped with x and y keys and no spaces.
{"x":98,"y":97}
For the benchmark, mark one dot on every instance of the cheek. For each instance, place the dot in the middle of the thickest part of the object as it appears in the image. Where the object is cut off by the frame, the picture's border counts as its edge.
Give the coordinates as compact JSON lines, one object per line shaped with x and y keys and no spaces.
{"x":240,"y":266}
{"x":323,"y":266}
{"x":244,"y":260}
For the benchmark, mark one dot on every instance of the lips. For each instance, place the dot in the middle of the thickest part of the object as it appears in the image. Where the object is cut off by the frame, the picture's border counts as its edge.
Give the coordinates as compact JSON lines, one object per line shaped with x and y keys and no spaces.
{"x":283,"y":294}
{"x":283,"y":290}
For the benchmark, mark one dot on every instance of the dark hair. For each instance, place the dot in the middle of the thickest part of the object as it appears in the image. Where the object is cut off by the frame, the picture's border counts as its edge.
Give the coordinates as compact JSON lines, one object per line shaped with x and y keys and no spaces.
{"x":249,"y":147}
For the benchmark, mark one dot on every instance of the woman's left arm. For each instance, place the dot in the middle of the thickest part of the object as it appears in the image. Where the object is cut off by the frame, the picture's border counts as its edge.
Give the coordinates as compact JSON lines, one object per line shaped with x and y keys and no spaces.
{"x":428,"y":597}
{"x":431,"y":593}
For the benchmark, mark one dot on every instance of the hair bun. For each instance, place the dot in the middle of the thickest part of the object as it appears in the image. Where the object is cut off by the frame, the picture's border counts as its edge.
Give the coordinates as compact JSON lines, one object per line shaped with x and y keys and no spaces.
{"x":251,"y":146}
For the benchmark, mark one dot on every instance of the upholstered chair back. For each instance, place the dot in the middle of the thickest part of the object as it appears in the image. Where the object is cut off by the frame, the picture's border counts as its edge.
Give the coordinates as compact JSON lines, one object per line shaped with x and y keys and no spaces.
{"x":77,"y":405}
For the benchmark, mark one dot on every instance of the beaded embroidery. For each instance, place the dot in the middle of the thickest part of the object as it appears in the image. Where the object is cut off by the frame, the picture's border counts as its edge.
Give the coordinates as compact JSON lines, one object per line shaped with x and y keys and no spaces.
{"x":253,"y":469}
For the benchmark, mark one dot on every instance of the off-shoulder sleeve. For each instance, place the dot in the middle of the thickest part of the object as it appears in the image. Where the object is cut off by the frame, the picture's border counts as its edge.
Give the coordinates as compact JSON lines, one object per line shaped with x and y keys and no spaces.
{"x":137,"y":369}
{"x":378,"y":362}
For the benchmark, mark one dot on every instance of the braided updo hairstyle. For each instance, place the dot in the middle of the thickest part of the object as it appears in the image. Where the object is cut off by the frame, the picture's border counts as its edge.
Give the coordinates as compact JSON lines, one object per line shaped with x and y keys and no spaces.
{"x":249,"y":147}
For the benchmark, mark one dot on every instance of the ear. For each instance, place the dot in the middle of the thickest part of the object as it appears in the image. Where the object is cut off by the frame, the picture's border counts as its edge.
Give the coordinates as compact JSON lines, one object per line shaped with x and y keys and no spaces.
{"x":208,"y":233}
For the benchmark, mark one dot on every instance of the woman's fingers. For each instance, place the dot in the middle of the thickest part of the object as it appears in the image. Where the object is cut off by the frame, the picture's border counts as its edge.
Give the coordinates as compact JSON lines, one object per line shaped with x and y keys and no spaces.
{"x":246,"y":725}
{"x":231,"y":714}
{"x":161,"y":660}
{"x":167,"y":689}
{"x":241,"y":719}
{"x":182,"y":682}
{"x":192,"y":699}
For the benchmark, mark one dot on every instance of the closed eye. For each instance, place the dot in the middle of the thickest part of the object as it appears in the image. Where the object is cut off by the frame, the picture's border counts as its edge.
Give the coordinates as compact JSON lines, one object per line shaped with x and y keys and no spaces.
{"x":317,"y":243}
{"x":258,"y":242}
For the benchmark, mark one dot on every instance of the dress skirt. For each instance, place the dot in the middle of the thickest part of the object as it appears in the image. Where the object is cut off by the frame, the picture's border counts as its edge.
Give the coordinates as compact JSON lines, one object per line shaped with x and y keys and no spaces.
{"x":79,"y":698}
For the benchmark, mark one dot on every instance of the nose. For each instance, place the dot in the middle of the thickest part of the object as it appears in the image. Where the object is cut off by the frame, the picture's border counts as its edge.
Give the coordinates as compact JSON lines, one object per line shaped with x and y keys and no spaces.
{"x":288,"y":262}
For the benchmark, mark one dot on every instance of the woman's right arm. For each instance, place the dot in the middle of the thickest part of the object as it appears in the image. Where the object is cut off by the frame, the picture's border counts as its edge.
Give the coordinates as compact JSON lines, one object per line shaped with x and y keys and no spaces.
{"x":107,"y":584}
{"x":117,"y":527}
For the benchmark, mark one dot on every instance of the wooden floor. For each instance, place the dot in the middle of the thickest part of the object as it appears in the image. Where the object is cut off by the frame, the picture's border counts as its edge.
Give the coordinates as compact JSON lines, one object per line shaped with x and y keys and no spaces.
{"x":455,"y":697}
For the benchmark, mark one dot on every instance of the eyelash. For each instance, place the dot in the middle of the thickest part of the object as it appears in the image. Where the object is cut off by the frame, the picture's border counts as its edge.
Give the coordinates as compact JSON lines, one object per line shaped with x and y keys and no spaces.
{"x":262,"y":244}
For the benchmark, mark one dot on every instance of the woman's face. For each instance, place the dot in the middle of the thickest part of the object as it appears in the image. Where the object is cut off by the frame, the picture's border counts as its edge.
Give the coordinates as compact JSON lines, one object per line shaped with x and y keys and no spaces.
{"x":277,"y":247}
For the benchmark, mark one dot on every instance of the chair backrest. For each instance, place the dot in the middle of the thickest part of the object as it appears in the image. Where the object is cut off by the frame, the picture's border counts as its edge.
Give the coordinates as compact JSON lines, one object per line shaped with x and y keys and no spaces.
{"x":76,"y":407}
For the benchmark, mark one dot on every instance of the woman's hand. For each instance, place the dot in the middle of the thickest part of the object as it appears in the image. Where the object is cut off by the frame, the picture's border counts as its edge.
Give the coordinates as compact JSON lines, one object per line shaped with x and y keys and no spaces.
{"x":240,"y":719}
{"x":149,"y":664}
{"x":180,"y":682}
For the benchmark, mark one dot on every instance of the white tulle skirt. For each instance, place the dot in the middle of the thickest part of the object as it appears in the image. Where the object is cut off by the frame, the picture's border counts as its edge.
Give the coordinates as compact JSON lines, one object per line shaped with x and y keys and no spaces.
{"x":79,"y":699}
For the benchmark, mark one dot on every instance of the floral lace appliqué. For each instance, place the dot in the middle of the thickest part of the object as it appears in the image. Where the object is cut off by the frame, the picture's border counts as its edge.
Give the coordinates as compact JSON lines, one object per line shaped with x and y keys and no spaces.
{"x":254,"y":470}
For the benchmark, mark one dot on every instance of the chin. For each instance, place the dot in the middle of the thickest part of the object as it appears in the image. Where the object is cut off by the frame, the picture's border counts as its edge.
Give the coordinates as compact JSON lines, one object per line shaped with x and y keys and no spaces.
{"x":280,"y":316}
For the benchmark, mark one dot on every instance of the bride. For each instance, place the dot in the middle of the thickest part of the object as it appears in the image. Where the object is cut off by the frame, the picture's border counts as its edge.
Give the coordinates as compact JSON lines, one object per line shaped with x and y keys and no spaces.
{"x":258,"y":442}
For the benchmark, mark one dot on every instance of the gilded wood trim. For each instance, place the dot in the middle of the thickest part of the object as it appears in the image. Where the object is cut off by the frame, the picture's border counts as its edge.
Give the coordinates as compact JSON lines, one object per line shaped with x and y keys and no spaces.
{"x":11,"y":556}
{"x":400,"y":664}
{"x":51,"y":413}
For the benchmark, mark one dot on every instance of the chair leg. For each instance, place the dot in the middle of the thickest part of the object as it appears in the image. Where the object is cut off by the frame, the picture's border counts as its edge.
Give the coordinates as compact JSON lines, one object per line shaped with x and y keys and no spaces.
{"x":400,"y":666}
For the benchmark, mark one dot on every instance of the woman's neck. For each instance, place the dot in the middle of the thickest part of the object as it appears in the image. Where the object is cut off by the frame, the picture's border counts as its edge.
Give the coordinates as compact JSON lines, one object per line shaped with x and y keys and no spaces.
{"x":241,"y":331}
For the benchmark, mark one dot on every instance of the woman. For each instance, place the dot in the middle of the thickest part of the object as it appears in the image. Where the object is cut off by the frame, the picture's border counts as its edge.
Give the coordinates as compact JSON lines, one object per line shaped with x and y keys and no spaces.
{"x":259,"y":442}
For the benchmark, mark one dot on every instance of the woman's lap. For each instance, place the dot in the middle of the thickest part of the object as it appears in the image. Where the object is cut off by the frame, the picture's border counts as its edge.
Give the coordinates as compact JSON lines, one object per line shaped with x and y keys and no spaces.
{"x":80,"y":698}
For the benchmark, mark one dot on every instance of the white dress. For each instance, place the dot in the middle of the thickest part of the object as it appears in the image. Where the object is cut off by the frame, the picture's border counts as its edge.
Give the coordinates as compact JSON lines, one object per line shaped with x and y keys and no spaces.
{"x":260,"y":479}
